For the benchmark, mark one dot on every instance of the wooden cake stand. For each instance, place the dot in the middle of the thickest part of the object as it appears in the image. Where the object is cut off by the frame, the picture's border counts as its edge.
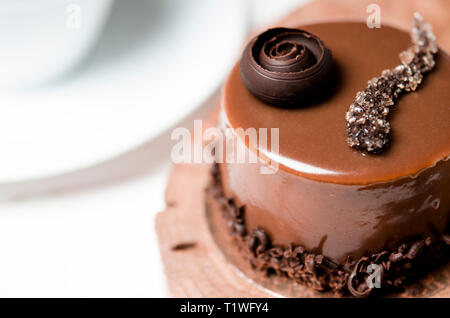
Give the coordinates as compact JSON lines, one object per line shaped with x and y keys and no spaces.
{"x":199,"y":260}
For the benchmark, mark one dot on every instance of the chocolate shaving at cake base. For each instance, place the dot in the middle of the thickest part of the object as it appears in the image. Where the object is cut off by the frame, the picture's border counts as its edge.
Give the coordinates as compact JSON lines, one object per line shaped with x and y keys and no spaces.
{"x":184,"y":246}
{"x":397,"y":267}
{"x":368,"y":127}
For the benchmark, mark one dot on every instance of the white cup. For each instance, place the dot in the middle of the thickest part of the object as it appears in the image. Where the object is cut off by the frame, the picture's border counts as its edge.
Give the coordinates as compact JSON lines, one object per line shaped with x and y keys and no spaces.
{"x":41,"y":39}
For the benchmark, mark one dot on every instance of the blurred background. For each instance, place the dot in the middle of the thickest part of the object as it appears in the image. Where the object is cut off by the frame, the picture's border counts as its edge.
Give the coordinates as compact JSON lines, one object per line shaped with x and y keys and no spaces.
{"x":90,"y":91}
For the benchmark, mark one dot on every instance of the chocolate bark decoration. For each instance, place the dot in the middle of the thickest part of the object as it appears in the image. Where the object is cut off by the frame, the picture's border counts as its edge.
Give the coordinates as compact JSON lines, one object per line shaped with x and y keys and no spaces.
{"x":368,"y":127}
{"x":287,"y":67}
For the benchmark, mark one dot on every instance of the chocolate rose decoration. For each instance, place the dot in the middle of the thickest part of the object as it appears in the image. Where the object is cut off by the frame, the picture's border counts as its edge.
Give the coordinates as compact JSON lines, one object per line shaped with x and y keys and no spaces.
{"x":287,"y":67}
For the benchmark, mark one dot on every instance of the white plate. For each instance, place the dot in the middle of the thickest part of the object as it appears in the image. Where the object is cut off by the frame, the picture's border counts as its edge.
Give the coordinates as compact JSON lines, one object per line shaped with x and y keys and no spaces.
{"x":156,"y":61}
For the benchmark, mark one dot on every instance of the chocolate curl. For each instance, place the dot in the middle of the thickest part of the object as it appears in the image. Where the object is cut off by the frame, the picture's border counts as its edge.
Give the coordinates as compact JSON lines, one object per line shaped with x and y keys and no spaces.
{"x":287,"y":67}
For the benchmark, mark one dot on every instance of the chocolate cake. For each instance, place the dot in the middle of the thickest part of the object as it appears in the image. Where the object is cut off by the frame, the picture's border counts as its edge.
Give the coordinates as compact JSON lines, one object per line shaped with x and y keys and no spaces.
{"x":362,"y":169}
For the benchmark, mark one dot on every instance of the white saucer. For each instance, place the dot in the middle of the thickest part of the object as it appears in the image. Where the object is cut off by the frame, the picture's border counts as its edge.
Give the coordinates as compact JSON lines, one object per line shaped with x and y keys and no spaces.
{"x":156,"y":61}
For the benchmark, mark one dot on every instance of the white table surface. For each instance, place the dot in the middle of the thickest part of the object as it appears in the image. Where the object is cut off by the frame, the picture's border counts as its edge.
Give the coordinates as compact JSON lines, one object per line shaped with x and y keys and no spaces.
{"x":90,"y":233}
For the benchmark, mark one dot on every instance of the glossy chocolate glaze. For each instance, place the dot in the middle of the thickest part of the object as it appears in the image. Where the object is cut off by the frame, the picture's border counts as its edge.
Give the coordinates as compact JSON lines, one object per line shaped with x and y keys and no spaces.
{"x":328,"y":197}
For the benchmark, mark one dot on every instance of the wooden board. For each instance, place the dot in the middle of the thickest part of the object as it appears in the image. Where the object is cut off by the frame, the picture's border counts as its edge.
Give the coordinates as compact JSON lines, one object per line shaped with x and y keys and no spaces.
{"x":194,"y":265}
